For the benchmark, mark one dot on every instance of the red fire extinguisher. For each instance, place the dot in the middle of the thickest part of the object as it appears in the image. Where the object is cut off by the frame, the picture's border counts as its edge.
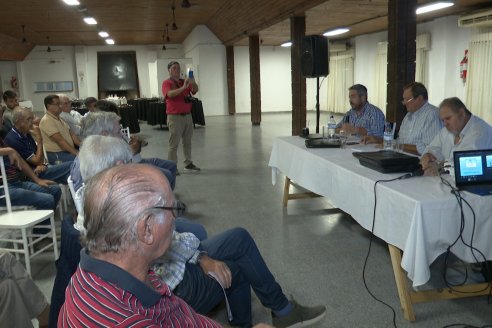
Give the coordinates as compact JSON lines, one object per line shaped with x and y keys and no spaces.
{"x":464,"y":67}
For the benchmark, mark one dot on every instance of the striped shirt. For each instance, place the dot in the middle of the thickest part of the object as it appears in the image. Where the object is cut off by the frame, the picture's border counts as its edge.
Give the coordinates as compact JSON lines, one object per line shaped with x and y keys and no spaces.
{"x":101,"y":294}
{"x":420,"y":127}
{"x":371,"y":118}
{"x":10,"y":170}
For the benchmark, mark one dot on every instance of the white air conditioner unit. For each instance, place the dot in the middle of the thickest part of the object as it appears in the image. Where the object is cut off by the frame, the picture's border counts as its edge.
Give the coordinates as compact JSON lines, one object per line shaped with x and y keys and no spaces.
{"x":339,"y":46}
{"x":481,"y":19}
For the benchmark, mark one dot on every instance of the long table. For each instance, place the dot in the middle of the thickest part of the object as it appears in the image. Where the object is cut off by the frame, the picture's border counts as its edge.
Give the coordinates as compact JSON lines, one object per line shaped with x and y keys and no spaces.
{"x":418,"y":216}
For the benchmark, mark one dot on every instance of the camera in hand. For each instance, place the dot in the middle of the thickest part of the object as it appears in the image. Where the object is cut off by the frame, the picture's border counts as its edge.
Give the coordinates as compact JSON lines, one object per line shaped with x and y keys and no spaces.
{"x":191,"y":99}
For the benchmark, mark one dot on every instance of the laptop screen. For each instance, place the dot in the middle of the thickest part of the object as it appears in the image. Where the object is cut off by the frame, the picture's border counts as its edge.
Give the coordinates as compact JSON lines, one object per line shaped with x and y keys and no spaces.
{"x":473,"y":167}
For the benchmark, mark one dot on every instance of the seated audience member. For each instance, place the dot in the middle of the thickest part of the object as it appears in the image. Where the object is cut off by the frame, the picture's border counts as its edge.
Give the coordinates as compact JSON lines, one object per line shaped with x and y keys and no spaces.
{"x":58,"y":140}
{"x":108,"y":124}
{"x":20,"y":298}
{"x":363,"y":118}
{"x":11,"y":101}
{"x":462,"y":131}
{"x":106,"y":106}
{"x":71,"y":117}
{"x":90,"y":104}
{"x":31,"y":149}
{"x":421,"y":123}
{"x":232,"y":256}
{"x":40,"y":193}
{"x":129,"y":223}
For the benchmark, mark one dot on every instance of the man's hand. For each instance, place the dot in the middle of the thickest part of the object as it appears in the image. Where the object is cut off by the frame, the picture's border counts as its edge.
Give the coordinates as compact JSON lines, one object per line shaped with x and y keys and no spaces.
{"x":220,"y":269}
{"x":430,"y":165}
{"x":349,"y":128}
{"x":36,"y":133}
{"x":372,"y":140}
{"x":14,"y":157}
{"x":40,"y":169}
{"x":135,"y":145}
{"x":44,"y":182}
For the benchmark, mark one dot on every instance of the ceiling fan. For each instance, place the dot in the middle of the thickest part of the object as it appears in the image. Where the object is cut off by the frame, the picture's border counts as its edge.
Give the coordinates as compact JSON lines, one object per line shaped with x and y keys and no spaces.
{"x":174,"y":26}
{"x":24,"y":40}
{"x":187,"y":4}
{"x":49,"y":49}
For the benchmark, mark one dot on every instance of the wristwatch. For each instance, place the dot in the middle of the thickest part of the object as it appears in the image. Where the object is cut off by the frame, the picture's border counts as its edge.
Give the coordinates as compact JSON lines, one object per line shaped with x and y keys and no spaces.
{"x":200,"y":255}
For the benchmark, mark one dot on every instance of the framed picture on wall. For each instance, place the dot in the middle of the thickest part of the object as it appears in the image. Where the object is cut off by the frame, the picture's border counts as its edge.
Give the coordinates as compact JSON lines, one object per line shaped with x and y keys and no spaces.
{"x":117,"y":71}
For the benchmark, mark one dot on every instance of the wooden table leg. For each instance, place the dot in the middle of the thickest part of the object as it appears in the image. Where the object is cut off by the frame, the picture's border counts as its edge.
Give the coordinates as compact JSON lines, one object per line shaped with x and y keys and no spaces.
{"x":286,"y":191}
{"x":401,"y":283}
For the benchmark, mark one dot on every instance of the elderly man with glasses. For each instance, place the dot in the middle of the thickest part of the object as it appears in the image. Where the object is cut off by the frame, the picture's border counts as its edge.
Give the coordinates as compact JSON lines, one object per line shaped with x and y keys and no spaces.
{"x":421,"y":123}
{"x":58,"y":140}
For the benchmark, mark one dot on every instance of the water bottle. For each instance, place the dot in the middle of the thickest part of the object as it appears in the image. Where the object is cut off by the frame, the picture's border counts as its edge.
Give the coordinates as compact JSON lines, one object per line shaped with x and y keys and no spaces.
{"x":388,"y":136}
{"x":332,"y":125}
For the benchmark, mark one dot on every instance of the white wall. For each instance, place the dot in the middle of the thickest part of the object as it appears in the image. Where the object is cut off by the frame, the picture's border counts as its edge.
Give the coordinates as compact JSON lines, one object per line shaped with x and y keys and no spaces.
{"x":8,"y":69}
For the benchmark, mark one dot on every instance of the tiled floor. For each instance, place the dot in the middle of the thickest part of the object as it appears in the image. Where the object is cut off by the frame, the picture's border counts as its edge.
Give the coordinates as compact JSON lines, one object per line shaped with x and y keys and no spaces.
{"x":315,"y":252}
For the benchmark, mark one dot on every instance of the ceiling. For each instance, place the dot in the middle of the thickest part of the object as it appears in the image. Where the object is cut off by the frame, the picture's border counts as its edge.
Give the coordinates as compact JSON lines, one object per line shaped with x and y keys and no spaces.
{"x":142,"y":22}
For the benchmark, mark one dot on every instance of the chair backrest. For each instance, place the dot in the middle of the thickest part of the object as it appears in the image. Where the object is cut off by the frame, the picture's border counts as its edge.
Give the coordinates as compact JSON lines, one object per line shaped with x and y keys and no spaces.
{"x":5,"y":186}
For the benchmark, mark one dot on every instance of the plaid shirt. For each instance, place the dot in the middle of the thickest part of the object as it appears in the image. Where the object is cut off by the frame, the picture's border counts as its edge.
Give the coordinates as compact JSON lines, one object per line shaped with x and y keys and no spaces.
{"x":171,"y":266}
{"x":371,"y":119}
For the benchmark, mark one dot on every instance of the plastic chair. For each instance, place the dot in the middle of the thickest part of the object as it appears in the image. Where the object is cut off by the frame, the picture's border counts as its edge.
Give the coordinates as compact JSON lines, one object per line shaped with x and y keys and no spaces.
{"x":19,"y":226}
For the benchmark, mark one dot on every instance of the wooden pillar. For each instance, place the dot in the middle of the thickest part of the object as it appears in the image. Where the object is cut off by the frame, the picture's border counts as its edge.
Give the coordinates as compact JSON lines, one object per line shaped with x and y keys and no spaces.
{"x":297,"y":33}
{"x":231,"y":85}
{"x":254,"y":76}
{"x":402,"y":31}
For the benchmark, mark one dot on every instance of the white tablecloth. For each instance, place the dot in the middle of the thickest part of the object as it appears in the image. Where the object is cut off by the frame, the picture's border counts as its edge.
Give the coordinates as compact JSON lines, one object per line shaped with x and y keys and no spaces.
{"x":418,"y":215}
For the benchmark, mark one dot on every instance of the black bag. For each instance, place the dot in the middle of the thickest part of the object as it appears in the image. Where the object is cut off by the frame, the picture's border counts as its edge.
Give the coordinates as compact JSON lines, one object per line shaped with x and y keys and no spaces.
{"x":191,"y":99}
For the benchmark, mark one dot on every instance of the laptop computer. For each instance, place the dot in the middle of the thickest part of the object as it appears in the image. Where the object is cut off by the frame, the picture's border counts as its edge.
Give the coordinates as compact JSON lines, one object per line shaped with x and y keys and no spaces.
{"x":322,"y":143}
{"x":388,"y":161}
{"x":473,"y":171}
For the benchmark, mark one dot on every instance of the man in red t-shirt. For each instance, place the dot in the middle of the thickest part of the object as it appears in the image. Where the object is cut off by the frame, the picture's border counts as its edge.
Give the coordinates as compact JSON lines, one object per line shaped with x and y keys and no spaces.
{"x":179,"y":120}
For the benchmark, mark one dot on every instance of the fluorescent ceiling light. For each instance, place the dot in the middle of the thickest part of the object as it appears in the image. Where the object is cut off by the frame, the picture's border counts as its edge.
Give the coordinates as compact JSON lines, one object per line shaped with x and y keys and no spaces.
{"x":286,"y":44}
{"x":90,"y":21}
{"x":72,"y":2}
{"x":337,"y":31}
{"x":433,"y":6}
{"x":109,"y":41}
{"x":103,"y":34}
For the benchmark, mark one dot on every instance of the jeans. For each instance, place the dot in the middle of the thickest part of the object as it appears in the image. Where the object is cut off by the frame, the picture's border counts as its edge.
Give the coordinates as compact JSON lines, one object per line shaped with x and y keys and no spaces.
{"x":238,"y":250}
{"x":60,"y":156}
{"x":169,"y":168}
{"x":185,"y":225}
{"x":58,"y":173}
{"x":26,"y":193}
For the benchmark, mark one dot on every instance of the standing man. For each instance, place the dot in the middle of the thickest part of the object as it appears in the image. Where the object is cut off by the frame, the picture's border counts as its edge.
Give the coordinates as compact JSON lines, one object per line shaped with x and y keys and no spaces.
{"x":463,"y":131}
{"x":179,"y":121}
{"x":26,"y":139}
{"x":363,"y":118}
{"x":58,"y":140}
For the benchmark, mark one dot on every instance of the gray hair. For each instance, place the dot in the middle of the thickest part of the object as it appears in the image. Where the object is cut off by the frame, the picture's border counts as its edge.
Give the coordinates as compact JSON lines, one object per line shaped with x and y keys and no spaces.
{"x":455,"y":104}
{"x":101,"y":152}
{"x":97,"y":123}
{"x":19,"y":113}
{"x":115,"y":200}
{"x":361,"y":90}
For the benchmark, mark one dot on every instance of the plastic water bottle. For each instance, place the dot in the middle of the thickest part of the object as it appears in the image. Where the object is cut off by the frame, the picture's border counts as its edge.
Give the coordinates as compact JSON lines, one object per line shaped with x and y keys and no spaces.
{"x":332,"y":125}
{"x":388,"y":136}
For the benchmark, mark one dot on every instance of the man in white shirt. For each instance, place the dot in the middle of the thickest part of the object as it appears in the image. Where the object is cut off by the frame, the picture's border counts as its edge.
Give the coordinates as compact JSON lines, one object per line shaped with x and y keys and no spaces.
{"x":71,"y":117}
{"x":463,"y":131}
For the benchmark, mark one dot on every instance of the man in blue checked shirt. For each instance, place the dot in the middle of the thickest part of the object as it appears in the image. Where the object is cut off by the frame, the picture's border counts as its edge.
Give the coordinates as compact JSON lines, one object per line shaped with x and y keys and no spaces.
{"x":363,"y":118}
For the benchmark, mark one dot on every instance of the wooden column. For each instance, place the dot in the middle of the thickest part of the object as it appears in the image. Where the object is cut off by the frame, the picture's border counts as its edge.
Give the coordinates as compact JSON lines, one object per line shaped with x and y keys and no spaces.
{"x":231,"y":85}
{"x":254,"y":76}
{"x":402,"y":30}
{"x":297,"y":33}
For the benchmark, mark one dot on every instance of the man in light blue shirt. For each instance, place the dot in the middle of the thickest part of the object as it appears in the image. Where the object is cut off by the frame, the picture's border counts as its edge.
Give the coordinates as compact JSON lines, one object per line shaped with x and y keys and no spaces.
{"x":363,"y":118}
{"x":422,"y":122}
{"x":463,"y":131}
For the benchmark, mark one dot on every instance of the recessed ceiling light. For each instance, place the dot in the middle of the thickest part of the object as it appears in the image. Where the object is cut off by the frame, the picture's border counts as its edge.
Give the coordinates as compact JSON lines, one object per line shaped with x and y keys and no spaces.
{"x":90,"y":20}
{"x":109,"y":41}
{"x":103,"y":34}
{"x":286,"y":44}
{"x":433,"y":6}
{"x":72,"y":2}
{"x":337,"y":31}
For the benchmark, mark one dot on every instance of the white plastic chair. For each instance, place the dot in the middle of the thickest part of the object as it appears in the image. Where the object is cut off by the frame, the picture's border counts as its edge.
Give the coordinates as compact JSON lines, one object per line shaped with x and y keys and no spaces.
{"x":19,"y":226}
{"x":63,"y":204}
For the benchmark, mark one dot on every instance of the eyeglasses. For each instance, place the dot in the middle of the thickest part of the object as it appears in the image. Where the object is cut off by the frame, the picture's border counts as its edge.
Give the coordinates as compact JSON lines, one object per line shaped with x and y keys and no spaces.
{"x":178,"y":208}
{"x":403,"y":101}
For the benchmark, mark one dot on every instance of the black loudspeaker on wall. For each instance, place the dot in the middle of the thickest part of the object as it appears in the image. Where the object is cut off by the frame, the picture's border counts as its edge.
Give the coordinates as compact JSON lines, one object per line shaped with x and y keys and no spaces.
{"x":314,"y":56}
